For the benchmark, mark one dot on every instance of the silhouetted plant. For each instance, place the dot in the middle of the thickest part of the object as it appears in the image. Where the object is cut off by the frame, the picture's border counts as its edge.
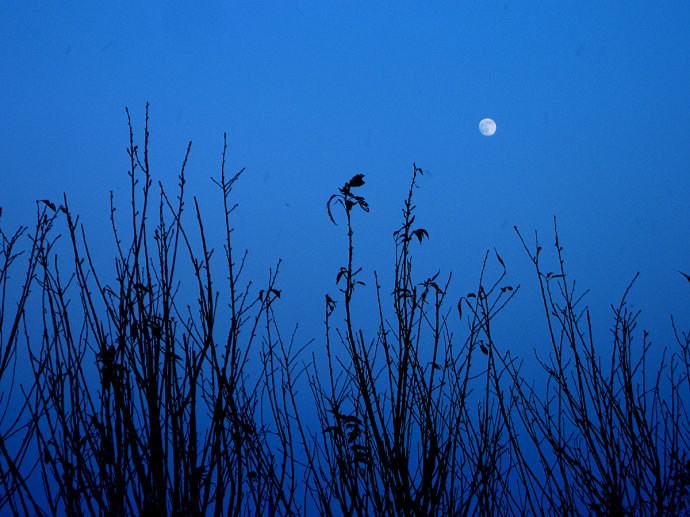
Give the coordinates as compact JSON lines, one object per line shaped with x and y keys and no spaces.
{"x":609,"y":430}
{"x":15,"y":433}
{"x":399,"y":434}
{"x":166,"y":421}
{"x":142,"y":399}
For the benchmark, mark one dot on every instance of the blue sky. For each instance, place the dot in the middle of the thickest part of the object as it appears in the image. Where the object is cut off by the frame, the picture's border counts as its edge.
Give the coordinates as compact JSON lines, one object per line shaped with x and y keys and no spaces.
{"x":590,"y":99}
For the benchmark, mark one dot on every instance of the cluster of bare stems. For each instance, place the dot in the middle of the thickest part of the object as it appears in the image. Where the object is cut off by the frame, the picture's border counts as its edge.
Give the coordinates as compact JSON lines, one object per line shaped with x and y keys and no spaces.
{"x":121,"y":395}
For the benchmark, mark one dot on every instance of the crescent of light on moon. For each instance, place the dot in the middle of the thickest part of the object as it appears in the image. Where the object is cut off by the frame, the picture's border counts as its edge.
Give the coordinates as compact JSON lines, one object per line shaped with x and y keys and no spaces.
{"x":487,"y":127}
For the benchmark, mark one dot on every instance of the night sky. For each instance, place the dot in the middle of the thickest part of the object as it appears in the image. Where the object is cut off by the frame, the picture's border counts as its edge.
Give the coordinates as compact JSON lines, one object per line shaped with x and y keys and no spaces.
{"x":590,"y":100}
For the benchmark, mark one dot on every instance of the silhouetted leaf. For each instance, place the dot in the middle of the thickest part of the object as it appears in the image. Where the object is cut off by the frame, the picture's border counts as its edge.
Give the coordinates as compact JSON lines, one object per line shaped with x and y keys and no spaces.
{"x":471,"y":295}
{"x":276,"y":292}
{"x":483,"y":349}
{"x":499,"y":258}
{"x":353,"y":435}
{"x":328,"y":207}
{"x":141,"y":287}
{"x":460,"y":308}
{"x":686,"y":276}
{"x":401,"y":291}
{"x":362,"y":454}
{"x":49,"y":204}
{"x":330,"y":304}
{"x":362,"y":204}
{"x":340,"y":274}
{"x":356,"y":181}
{"x":420,"y":233}
{"x":351,"y":420}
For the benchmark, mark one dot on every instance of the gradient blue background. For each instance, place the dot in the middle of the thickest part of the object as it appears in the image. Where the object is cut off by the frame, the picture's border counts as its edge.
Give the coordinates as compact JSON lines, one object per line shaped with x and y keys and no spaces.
{"x":590,"y":98}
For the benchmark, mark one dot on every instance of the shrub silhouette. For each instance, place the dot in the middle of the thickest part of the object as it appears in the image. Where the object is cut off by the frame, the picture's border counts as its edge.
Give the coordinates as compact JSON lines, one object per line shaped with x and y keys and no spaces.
{"x":132,"y":399}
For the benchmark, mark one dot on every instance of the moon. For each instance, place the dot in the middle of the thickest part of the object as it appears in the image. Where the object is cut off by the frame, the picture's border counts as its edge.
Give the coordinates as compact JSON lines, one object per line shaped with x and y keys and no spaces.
{"x":487,"y":127}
